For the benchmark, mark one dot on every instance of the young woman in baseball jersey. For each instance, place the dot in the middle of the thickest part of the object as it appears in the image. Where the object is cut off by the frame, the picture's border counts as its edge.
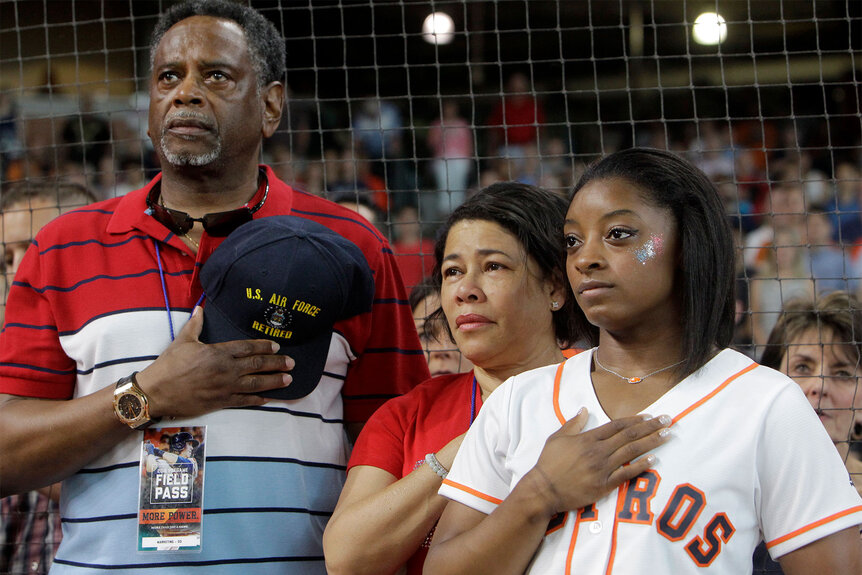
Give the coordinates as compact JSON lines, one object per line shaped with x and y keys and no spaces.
{"x":503,"y":295}
{"x":535,"y":485}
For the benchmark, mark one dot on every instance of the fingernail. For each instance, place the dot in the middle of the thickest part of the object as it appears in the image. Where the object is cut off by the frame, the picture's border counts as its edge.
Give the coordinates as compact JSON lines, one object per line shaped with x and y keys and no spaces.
{"x":664,"y":432}
{"x":650,"y":459}
{"x":646,"y":416}
{"x":286,"y":379}
{"x":580,"y":411}
{"x":275,"y":347}
{"x":289,"y":363}
{"x":665,"y":419}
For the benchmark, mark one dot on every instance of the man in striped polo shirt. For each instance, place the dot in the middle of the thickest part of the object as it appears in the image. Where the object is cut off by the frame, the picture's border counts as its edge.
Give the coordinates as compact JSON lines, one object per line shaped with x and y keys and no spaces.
{"x":102,"y":323}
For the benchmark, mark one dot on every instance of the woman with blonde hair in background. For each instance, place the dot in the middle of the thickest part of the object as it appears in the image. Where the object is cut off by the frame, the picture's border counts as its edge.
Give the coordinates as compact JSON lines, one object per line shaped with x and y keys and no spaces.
{"x":819,"y":345}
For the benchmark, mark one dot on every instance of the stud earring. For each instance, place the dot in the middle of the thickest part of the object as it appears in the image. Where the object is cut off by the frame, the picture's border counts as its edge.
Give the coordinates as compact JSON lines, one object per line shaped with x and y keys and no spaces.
{"x":555,"y":305}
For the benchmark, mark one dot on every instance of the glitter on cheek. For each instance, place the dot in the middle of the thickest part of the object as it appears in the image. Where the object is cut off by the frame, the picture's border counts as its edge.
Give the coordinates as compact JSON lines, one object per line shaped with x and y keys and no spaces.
{"x":653,"y":247}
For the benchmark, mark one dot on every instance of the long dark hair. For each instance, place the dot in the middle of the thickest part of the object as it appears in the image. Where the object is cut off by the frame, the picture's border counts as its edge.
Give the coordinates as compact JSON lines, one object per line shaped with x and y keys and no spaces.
{"x":533,"y":215}
{"x":706,"y":244}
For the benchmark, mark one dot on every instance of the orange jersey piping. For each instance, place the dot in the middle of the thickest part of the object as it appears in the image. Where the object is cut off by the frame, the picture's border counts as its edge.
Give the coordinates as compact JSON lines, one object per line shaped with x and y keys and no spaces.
{"x":571,"y":552}
{"x":557,"y":379}
{"x":811,"y":526}
{"x":713,"y":393}
{"x":472,"y":491}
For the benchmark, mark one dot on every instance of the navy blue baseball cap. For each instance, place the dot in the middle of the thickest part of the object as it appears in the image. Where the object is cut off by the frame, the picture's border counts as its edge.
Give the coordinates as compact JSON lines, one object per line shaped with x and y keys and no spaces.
{"x":287,"y":279}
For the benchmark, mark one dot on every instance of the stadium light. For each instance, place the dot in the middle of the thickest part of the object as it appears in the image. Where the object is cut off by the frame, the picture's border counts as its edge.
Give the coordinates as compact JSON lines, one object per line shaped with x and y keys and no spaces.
{"x":709,"y":29}
{"x":438,"y":28}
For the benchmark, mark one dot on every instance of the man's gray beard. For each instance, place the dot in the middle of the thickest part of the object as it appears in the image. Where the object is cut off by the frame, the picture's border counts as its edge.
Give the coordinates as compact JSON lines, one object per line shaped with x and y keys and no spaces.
{"x":187,"y":159}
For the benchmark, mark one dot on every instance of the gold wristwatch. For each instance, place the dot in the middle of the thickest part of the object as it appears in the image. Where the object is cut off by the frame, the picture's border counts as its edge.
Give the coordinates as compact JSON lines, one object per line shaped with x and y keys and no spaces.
{"x":131,"y":405}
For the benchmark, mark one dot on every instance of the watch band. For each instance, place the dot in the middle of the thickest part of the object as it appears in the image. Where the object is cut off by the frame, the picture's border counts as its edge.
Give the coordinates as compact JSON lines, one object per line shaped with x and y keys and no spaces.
{"x":126,"y":390}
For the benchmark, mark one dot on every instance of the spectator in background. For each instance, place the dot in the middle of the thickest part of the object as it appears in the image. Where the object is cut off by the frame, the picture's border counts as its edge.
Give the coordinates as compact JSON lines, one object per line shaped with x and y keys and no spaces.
{"x":26,"y":206}
{"x":87,"y":135}
{"x":335,"y":172}
{"x":783,"y":273}
{"x":487,"y":175}
{"x":752,"y":182}
{"x":361,"y":203}
{"x":847,"y":218}
{"x":424,"y":301}
{"x":298,"y":125}
{"x":737,"y":201}
{"x":441,"y":351}
{"x":526,"y":169}
{"x":358,"y":175}
{"x":31,"y":530}
{"x":556,"y":166}
{"x":710,"y":149}
{"x":11,"y":150}
{"x":502,"y":291}
{"x":818,"y":187}
{"x":742,"y":329}
{"x":129,"y":176}
{"x":515,"y":122}
{"x":831,"y":265}
{"x":819,"y":345}
{"x":349,"y":171}
{"x":785,"y":210}
{"x":450,"y":138}
{"x":311,"y":179}
{"x":282,"y":162}
{"x":377,"y":128}
{"x":413,"y":251}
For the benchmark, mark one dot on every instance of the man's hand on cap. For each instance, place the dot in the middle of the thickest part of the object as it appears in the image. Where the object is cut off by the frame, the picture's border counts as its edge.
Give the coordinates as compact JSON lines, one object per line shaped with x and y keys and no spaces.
{"x":191,"y":378}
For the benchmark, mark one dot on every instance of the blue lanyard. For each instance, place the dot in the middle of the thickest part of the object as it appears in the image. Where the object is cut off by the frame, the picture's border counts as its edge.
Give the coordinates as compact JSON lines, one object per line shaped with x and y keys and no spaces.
{"x":200,"y":299}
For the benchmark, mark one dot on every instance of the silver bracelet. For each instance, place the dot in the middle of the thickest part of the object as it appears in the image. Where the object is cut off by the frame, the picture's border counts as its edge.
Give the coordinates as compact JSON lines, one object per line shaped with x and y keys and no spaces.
{"x":436,"y":466}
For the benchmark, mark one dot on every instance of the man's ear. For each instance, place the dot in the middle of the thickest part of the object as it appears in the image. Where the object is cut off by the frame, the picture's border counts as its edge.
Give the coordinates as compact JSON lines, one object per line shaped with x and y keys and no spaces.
{"x":273,"y":102}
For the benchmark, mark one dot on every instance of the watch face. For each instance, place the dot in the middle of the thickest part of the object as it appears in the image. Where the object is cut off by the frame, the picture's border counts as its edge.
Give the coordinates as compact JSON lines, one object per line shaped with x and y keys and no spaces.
{"x":129,"y":407}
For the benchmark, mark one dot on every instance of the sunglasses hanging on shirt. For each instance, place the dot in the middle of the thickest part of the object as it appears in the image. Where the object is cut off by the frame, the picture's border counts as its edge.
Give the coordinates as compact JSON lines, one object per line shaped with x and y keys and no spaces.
{"x":218,"y":224}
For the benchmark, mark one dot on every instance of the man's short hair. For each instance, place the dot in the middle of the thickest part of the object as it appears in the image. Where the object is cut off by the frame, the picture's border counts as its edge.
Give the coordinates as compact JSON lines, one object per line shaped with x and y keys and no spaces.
{"x":265,"y":42}
{"x":63,"y":194}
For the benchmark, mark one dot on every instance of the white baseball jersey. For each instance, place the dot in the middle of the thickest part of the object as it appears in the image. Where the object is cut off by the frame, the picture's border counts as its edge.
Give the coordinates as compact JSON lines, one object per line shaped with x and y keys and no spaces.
{"x":747,"y":458}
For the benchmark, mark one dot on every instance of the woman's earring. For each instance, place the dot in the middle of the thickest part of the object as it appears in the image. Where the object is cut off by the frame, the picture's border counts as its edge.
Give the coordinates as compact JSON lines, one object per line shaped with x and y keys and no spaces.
{"x":555,"y":305}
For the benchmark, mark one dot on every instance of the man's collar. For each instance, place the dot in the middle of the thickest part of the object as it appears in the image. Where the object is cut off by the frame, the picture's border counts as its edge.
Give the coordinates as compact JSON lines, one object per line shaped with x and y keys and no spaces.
{"x":131,"y":212}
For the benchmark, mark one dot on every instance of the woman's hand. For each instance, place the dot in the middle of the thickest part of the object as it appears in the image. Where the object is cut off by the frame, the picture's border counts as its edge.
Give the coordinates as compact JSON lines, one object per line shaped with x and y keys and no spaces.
{"x":578,"y":468}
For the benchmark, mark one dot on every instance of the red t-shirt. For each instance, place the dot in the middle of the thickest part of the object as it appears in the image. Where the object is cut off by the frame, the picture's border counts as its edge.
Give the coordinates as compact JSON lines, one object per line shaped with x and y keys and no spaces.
{"x":400,"y":434}
{"x":518,"y":120}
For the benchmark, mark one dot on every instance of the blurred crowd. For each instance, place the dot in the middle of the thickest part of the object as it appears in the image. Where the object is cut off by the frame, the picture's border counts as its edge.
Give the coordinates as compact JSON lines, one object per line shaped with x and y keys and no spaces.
{"x":793,"y":193}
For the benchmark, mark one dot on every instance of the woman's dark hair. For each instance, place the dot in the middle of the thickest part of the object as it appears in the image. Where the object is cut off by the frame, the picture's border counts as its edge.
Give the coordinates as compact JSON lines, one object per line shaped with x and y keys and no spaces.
{"x":533,"y":215}
{"x":265,"y":43}
{"x":706,"y":279}
{"x":839,"y":311}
